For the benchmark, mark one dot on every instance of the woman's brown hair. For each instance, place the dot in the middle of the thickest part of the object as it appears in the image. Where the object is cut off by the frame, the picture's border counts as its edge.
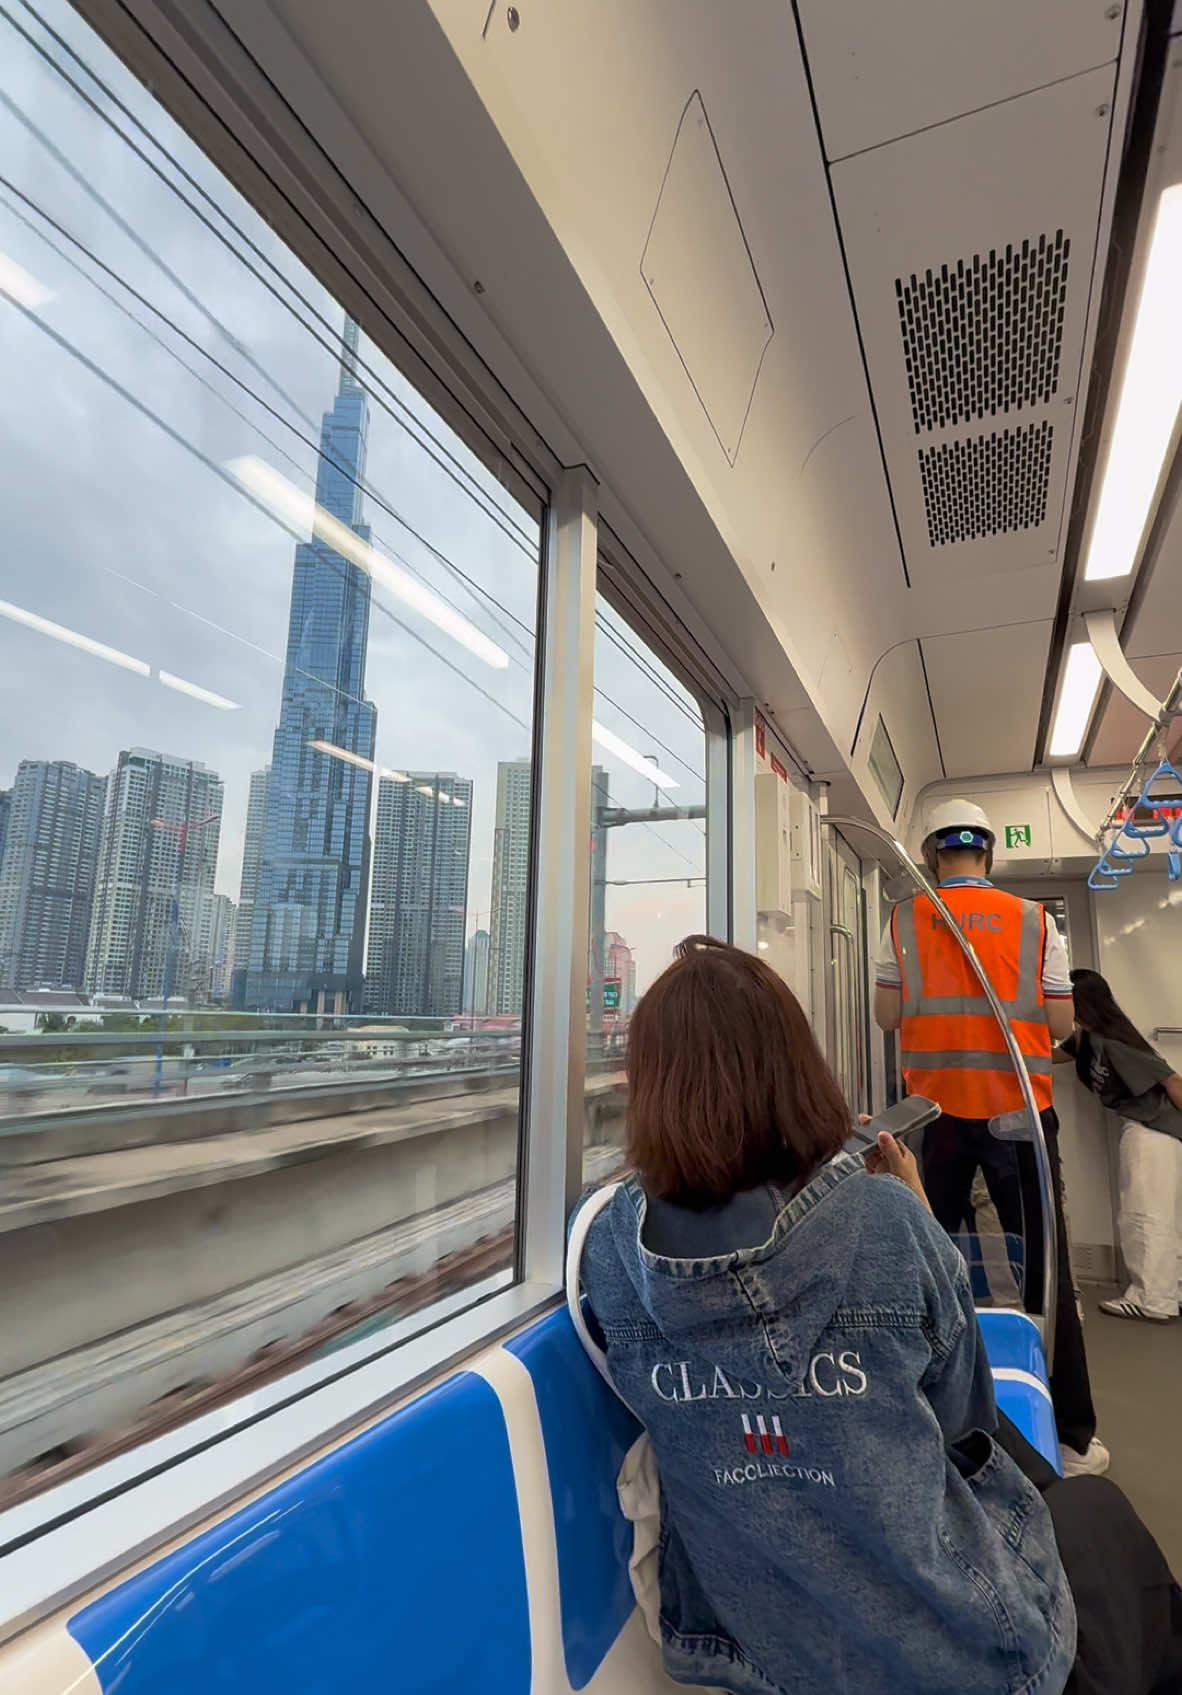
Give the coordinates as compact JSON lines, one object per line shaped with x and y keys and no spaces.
{"x":727,"y":1086}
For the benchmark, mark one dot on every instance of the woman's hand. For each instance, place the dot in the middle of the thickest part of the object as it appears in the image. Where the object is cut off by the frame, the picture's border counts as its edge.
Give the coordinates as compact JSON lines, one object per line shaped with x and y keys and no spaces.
{"x":895,"y":1160}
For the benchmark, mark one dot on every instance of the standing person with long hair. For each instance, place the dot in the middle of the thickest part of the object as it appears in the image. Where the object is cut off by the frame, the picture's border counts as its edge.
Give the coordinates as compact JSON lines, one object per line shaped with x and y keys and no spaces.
{"x":1113,"y":1060}
{"x":841,"y":1510}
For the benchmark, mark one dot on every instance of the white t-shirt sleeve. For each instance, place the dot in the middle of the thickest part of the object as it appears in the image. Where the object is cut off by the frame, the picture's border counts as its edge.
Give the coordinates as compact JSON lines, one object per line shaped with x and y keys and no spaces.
{"x":886,"y":967}
{"x":1056,"y":978}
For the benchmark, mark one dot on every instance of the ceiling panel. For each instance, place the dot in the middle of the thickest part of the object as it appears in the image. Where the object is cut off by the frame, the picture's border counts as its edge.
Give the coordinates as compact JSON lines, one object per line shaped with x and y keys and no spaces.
{"x":1123,"y":728}
{"x":885,"y":68}
{"x":970,"y":250}
{"x":986,"y":692}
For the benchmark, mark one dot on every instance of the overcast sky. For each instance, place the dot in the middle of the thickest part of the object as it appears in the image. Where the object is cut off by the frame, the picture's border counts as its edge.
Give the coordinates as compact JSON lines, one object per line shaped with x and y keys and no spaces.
{"x":124,"y":533}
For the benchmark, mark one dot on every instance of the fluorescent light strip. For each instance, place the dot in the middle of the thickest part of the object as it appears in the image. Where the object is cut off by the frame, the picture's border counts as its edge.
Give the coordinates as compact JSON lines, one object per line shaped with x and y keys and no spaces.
{"x":358,"y":759}
{"x":196,"y":692}
{"x":1077,"y":696}
{"x":612,"y":744}
{"x":72,"y":638}
{"x":350,"y":758}
{"x":18,"y":285}
{"x":1148,"y":408}
{"x":301,"y":512}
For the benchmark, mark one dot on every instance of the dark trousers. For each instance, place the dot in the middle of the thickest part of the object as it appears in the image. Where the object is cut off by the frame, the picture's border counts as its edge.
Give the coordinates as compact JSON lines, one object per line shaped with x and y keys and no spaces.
{"x":954,"y":1149}
{"x":1128,"y":1607}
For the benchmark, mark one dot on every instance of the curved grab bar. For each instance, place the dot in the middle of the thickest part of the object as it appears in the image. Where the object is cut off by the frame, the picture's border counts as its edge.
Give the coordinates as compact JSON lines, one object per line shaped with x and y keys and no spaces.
{"x":1038,"y":1139}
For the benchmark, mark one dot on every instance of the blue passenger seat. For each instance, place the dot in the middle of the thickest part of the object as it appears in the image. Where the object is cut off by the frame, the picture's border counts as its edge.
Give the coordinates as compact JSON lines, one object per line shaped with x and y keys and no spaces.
{"x":1020,"y":1379}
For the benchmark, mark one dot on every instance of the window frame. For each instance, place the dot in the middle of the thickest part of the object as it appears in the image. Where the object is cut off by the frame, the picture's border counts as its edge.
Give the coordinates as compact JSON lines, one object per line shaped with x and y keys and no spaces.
{"x":59,"y":1543}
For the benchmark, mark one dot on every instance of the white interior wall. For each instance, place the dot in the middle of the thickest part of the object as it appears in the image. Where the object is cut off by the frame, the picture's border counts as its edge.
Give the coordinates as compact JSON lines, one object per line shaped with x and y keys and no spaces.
{"x":1139,"y":930}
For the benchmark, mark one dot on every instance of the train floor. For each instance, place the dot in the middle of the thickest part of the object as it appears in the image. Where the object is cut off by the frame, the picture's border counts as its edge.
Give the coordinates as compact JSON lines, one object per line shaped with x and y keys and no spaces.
{"x":1136,"y":1372}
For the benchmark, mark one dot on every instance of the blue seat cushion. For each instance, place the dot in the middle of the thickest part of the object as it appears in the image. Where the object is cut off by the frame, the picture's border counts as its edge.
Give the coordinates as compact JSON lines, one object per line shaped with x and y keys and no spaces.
{"x":393,"y":1563}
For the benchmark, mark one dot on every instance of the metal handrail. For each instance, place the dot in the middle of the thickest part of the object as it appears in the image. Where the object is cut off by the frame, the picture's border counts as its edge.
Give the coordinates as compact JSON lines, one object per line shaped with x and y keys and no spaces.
{"x":1050,"y":1268}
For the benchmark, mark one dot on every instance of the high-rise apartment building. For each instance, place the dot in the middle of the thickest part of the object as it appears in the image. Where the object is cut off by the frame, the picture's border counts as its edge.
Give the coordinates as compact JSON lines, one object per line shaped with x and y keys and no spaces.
{"x":252,"y":865}
{"x":158,"y":850}
{"x":419,"y":895}
{"x":5,"y":808}
{"x":476,"y":973}
{"x":307,"y":930}
{"x":47,"y":873}
{"x":214,"y":950}
{"x":510,"y":887}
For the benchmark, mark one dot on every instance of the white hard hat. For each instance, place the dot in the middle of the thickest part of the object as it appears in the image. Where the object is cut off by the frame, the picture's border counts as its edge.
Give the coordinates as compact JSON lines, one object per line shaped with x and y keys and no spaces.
{"x":948,"y":817}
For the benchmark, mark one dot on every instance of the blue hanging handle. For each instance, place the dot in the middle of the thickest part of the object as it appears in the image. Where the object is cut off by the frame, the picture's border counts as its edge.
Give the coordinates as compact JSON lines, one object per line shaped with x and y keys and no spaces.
{"x":1143,"y":848}
{"x":1173,"y":865}
{"x":1176,"y":832}
{"x":1097,"y":873}
{"x":1112,"y":870}
{"x":1165,"y":769}
{"x":1143,"y":832}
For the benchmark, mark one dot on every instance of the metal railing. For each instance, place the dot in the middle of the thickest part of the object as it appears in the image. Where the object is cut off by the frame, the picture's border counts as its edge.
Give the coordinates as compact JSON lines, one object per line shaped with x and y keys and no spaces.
{"x":1050,"y":1270}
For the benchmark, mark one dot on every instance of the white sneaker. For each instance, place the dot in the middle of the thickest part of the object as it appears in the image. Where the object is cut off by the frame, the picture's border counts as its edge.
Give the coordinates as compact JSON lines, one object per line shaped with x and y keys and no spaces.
{"x":1130,"y":1309}
{"x":1092,"y":1464}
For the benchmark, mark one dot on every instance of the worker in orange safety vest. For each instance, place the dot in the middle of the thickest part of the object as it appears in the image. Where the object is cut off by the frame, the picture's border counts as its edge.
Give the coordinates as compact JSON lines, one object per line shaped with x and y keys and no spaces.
{"x":953,"y":1052}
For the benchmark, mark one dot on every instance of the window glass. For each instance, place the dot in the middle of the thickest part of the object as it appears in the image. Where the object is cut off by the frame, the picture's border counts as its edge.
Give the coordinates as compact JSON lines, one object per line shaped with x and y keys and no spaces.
{"x":648,"y":854}
{"x":267,"y":636}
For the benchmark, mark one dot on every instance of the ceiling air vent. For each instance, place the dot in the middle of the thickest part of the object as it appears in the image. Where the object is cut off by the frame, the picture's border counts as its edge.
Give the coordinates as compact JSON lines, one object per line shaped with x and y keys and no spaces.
{"x":985,"y":335}
{"x":985,"y":485}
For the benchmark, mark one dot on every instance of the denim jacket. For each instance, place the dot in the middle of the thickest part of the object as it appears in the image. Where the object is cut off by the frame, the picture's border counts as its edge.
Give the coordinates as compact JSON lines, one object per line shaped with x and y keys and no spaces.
{"x":835,"y":1514}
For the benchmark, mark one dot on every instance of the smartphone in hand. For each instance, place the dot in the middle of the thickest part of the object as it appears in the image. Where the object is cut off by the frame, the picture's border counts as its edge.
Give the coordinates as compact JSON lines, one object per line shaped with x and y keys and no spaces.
{"x":904,"y":1120}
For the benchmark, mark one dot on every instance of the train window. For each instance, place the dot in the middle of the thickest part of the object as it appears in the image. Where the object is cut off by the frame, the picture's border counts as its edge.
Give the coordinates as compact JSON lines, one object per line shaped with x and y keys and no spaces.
{"x":267,"y":650}
{"x":648,"y":853}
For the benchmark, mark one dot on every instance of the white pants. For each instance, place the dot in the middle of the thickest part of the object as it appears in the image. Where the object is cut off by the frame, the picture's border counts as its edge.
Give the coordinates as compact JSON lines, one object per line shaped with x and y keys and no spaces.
{"x":1151,"y":1217}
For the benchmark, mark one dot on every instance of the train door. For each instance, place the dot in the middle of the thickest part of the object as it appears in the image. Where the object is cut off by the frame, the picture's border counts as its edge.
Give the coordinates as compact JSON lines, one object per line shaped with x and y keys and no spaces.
{"x":847,"y":998}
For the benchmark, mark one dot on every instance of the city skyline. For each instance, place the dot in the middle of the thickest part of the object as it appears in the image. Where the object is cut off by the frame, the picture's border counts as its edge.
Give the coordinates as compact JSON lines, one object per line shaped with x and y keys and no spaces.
{"x":167,"y":587}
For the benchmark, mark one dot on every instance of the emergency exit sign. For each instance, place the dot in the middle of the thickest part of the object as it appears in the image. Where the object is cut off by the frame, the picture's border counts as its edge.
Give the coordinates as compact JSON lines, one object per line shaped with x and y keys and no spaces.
{"x":1019,"y":835}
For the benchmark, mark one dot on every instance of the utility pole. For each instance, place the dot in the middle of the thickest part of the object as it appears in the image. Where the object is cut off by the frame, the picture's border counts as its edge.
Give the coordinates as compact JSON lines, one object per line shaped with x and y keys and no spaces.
{"x":605,"y":817}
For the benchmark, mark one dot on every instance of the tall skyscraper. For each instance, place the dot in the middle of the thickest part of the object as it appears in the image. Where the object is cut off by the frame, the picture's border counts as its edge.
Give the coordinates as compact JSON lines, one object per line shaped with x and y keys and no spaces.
{"x":214,"y":948}
{"x":476,"y":973}
{"x":252,"y":865}
{"x":47,"y":872}
{"x":159,"y":843}
{"x":419,"y":894}
{"x":307,"y":931}
{"x":510,"y":887}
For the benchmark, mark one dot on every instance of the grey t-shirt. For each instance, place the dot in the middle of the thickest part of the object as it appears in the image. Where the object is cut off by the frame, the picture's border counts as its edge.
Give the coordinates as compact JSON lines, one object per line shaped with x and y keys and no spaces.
{"x":1130,"y":1081}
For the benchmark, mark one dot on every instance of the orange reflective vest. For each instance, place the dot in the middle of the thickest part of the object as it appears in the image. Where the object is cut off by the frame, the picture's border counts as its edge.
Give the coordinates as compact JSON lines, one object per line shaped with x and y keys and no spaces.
{"x":953,"y":1050}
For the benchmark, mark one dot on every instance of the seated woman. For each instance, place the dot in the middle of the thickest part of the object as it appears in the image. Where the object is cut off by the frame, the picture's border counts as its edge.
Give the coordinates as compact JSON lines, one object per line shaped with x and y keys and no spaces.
{"x":798,"y":1337}
{"x":1113,"y":1060}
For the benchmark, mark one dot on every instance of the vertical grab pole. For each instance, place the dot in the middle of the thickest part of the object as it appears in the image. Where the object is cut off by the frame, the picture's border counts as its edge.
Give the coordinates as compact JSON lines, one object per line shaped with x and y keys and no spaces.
{"x":1050,"y":1266}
